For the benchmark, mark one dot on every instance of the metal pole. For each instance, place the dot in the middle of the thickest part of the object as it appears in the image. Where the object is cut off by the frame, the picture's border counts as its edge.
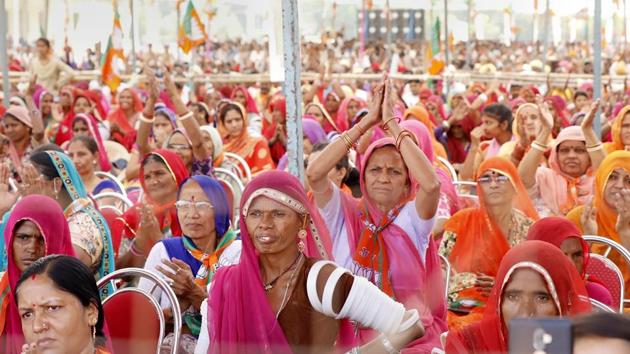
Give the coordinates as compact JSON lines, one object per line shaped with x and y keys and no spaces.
{"x":597,"y":62}
{"x":446,"y":32}
{"x":133,"y":37}
{"x":177,"y":50}
{"x":292,"y":88}
{"x":470,"y":37}
{"x":546,"y":34}
{"x":4,"y":53}
{"x":625,"y":24}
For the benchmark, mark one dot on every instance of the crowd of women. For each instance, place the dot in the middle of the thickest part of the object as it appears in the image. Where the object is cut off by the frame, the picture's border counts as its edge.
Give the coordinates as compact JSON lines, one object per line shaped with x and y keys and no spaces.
{"x":353,"y":260}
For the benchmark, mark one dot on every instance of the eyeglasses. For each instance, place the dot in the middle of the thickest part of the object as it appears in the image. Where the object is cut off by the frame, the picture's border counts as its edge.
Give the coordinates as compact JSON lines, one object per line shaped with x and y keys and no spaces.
{"x":186,"y":206}
{"x":499,"y":179}
{"x":567,"y":150}
{"x":178,"y":147}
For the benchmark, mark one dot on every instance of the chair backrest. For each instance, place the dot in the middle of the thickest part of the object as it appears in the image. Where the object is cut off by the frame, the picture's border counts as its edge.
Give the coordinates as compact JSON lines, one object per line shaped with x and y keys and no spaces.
{"x":446,"y":268}
{"x":600,"y":307}
{"x":135,"y":321}
{"x":111,"y":177}
{"x":242,"y":164}
{"x":233,"y":187}
{"x":449,"y":168}
{"x":605,"y":246}
{"x":609,"y":274}
{"x":133,"y":315}
{"x":108,"y":198}
{"x":467,"y":194}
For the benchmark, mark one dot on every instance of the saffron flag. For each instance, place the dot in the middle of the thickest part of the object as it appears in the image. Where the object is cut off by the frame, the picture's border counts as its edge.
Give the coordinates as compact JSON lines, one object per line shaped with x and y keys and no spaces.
{"x":114,"y":56}
{"x":192,"y":32}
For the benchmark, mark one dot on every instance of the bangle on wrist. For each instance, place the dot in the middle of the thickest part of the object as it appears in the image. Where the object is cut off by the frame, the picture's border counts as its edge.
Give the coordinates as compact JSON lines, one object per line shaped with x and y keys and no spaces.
{"x":384,"y":125}
{"x":389,"y":348}
{"x":135,"y":250}
{"x":345,"y":137}
{"x":540,"y":147}
{"x":402,"y":135}
{"x":185,"y":116}
{"x":595,"y":147}
{"x":145,"y":119}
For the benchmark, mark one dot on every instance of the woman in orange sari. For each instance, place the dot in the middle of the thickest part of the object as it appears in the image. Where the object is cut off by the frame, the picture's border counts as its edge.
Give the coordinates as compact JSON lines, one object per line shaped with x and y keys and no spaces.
{"x":620,"y":132}
{"x":420,"y":114}
{"x":255,"y":151}
{"x":500,"y":222}
{"x":609,"y":213}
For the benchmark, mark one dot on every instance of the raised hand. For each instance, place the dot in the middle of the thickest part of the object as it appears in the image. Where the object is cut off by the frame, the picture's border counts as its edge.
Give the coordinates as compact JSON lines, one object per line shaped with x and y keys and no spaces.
{"x":622,"y":204}
{"x":373,"y":117}
{"x":587,"y":122}
{"x":7,"y":197}
{"x":152,"y":85}
{"x":32,"y":182}
{"x":32,"y":86}
{"x":149,"y":229}
{"x":588,"y":219}
{"x":546,"y":118}
{"x":476,"y":135}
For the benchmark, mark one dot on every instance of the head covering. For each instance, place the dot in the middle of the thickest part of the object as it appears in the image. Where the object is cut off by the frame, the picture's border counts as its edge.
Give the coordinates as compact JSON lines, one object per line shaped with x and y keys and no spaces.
{"x":244,"y":144}
{"x":238,"y":289}
{"x":328,"y":124}
{"x":47,"y":215}
{"x":166,"y":213}
{"x":164,"y":111}
{"x":556,"y":229}
{"x":20,"y":113}
{"x":250,"y":106}
{"x":439,"y":104}
{"x":402,"y":271}
{"x":217,"y":143}
{"x":561,"y":192}
{"x":279,"y":103}
{"x":118,"y":116}
{"x":215,"y":192}
{"x":313,"y":130}
{"x":343,"y":121}
{"x":563,"y":283}
{"x":476,"y":230}
{"x":617,"y":141}
{"x":92,"y":125}
{"x":82,"y":204}
{"x":420,"y":113}
{"x":39,"y":95}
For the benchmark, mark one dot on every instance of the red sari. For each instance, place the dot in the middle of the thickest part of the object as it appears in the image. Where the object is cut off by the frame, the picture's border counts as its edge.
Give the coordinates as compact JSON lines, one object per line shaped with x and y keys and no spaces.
{"x":566,"y":287}
{"x":127,"y":134}
{"x":129,"y":222}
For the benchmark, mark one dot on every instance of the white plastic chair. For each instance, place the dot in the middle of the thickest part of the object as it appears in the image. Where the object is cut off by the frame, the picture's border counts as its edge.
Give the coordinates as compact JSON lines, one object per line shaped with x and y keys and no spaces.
{"x":600,"y":307}
{"x":236,"y":187}
{"x":112,"y":178}
{"x":240,"y":162}
{"x":467,"y":190}
{"x":447,"y":274}
{"x":122,"y":202}
{"x":451,"y":169}
{"x":606,"y":271}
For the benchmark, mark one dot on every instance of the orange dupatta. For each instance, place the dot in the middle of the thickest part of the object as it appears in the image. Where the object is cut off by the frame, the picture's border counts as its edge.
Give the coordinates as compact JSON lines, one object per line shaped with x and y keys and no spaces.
{"x":420,"y":114}
{"x":476,"y":230}
{"x":606,"y":216}
{"x":617,"y":141}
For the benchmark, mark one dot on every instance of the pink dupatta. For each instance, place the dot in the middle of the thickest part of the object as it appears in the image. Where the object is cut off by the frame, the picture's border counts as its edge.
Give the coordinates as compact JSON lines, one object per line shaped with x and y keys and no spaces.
{"x":240,"y":320}
{"x":103,"y":159}
{"x":409,"y":275}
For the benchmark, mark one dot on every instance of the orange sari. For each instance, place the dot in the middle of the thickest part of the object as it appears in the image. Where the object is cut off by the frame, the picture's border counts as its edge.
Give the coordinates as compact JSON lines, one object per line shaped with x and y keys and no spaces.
{"x":254,"y":150}
{"x":606,"y":216}
{"x":617,"y":141}
{"x":420,"y":114}
{"x":475,"y":230}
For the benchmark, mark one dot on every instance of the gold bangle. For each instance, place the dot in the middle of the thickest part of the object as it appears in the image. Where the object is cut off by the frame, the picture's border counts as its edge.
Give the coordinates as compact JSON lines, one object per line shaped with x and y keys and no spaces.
{"x":185,"y":116}
{"x":384,"y":125}
{"x":540,"y":147}
{"x":145,"y":119}
{"x":346,"y":139}
{"x":402,"y":135}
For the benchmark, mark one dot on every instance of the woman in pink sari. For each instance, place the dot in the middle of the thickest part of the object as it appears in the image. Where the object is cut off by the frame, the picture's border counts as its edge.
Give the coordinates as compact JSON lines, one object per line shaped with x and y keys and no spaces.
{"x":274,"y":300}
{"x":386,"y":236}
{"x":348,"y":109}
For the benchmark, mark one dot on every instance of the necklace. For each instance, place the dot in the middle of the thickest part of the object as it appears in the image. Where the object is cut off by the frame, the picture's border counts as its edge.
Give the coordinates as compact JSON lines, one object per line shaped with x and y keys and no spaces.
{"x":268,"y":286}
{"x":286,"y":290}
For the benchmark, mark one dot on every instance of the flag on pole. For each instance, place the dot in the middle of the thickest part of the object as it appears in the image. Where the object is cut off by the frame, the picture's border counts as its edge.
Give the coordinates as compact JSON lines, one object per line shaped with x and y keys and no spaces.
{"x":114,"y":55}
{"x":192,"y":32}
{"x":435,"y":65}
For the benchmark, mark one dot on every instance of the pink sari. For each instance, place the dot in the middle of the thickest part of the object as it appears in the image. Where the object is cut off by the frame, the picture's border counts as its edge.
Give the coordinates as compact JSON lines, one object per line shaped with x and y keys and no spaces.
{"x":409,"y":275}
{"x":240,"y":319}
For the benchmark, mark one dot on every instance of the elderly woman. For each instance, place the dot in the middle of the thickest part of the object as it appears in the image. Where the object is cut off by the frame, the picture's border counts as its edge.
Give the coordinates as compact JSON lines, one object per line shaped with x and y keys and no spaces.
{"x":562,"y":233}
{"x":89,"y":230}
{"x":190,"y":262}
{"x":534,"y":280}
{"x":36,"y":228}
{"x":153,"y":217}
{"x":609,"y":213}
{"x":278,"y":286}
{"x":64,"y":286}
{"x":566,"y":183}
{"x":499,"y":223}
{"x":385,"y":236}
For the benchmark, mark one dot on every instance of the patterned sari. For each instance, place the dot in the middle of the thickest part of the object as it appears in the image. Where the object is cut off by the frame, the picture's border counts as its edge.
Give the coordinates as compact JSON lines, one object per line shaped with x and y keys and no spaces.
{"x":83,"y":216}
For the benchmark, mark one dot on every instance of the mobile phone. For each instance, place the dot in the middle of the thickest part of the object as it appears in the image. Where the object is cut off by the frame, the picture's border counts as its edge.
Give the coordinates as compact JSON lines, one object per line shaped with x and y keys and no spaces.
{"x":540,"y":336}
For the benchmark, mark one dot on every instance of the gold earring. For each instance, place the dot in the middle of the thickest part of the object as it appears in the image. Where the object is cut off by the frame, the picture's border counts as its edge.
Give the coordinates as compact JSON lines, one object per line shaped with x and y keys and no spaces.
{"x":94,"y":333}
{"x":301,"y":236}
